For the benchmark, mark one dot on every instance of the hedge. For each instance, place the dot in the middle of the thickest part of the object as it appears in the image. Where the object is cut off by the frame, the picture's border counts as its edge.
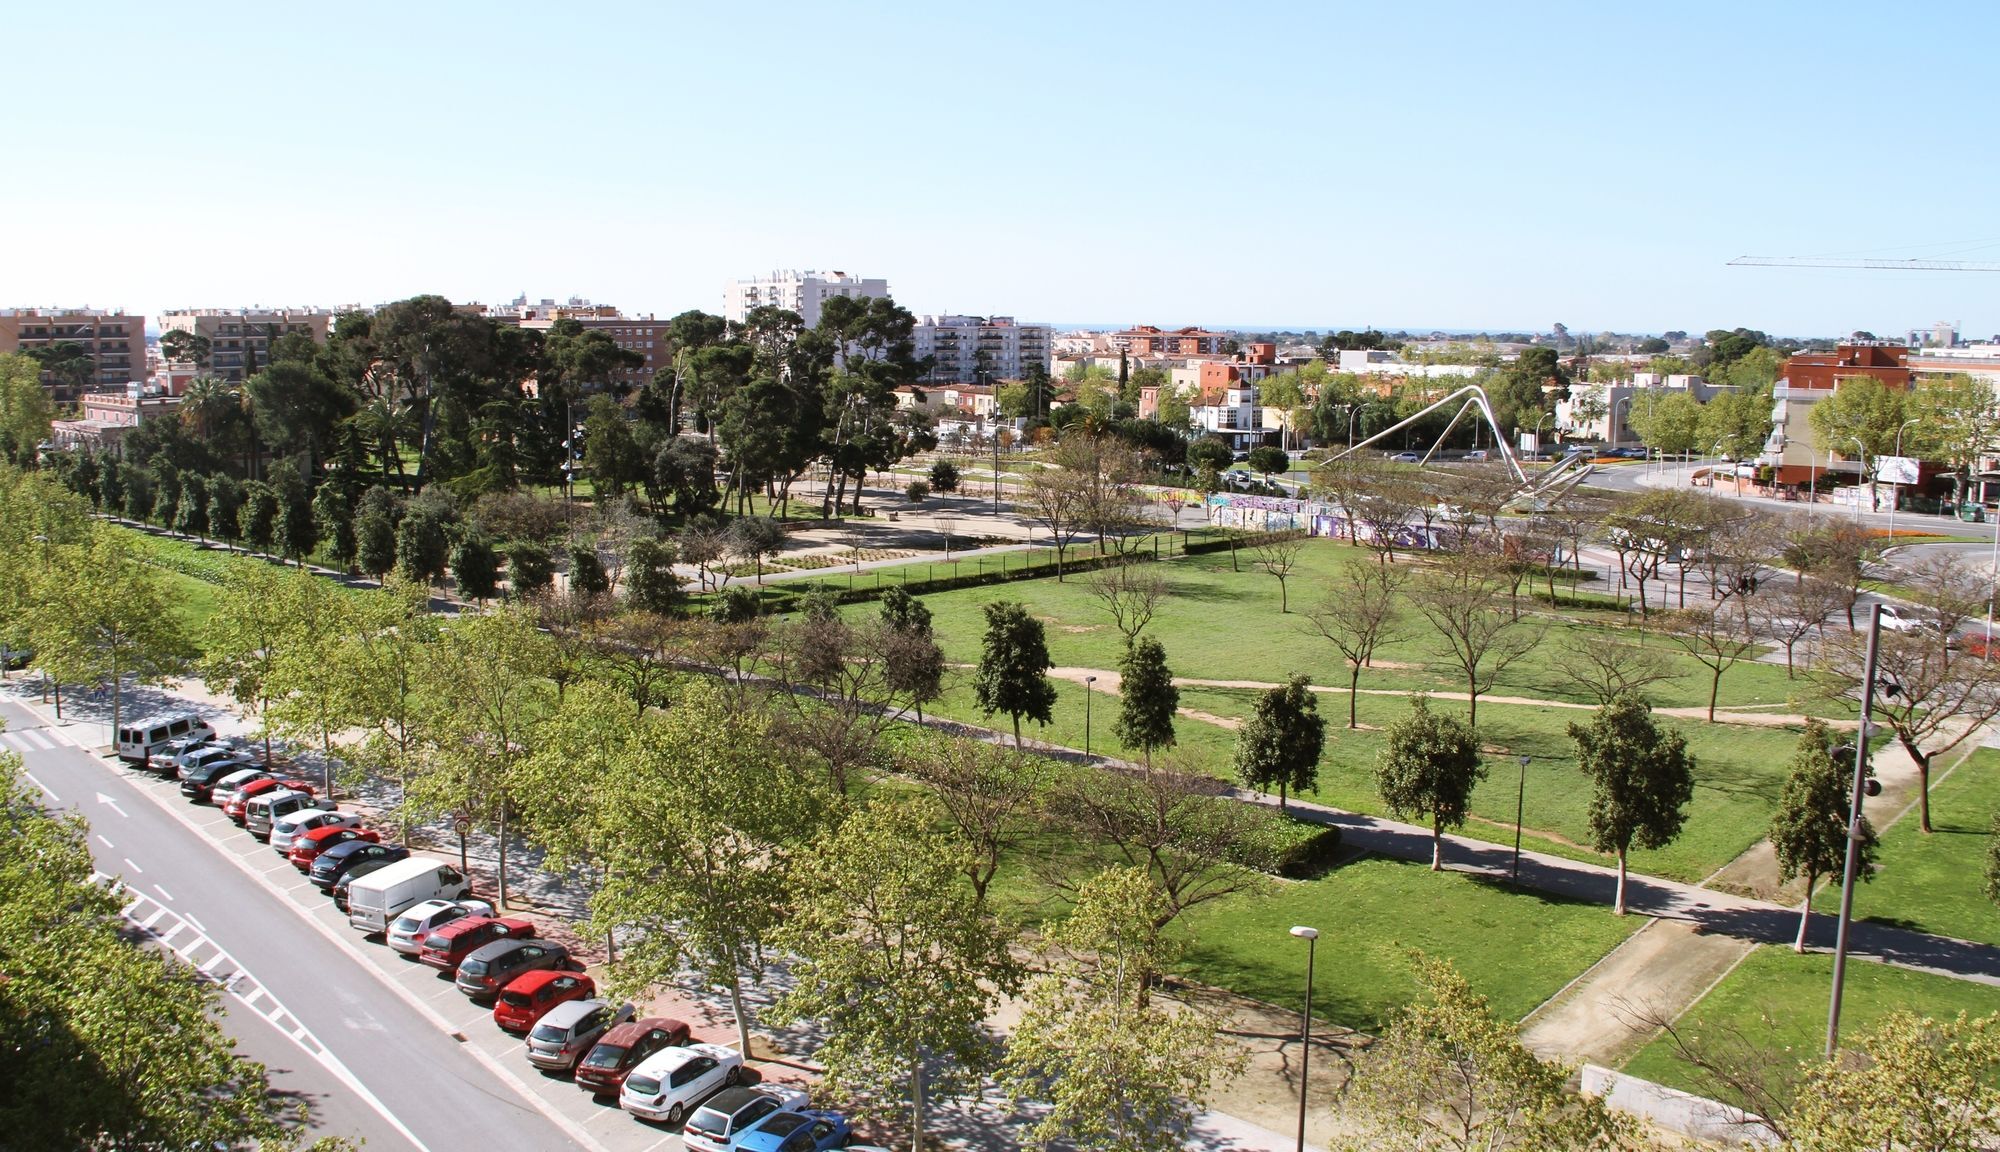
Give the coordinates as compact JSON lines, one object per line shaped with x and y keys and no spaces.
{"x":1295,"y":849}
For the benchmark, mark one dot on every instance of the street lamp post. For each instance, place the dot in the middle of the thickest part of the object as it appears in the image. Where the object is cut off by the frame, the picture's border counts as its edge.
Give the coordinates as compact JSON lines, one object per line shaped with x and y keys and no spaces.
{"x":1353,"y":410}
{"x":1894,"y":488}
{"x":1857,"y":480}
{"x":1854,"y":829}
{"x":1311,"y":937}
{"x":1087,"y":682}
{"x":1520,"y":811}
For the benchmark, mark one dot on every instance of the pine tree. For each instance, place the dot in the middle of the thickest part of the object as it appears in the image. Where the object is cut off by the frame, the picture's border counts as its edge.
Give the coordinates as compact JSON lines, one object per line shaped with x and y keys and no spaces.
{"x":1146,"y":713}
{"x":1282,"y":741}
{"x":1013,"y":667}
{"x":475,"y":567}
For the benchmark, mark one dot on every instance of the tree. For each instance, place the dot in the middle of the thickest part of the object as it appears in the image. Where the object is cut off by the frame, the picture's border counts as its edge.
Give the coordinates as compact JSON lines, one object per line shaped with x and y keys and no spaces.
{"x":104,"y":617}
{"x":897,"y":959}
{"x":1861,"y":408}
{"x":587,"y":576}
{"x":913,"y":662}
{"x":225,"y":498}
{"x":307,"y":704}
{"x":1714,"y":636}
{"x":1359,"y":612}
{"x":1643,"y":780}
{"x":1809,"y":828}
{"x":651,"y":584}
{"x":1789,"y":609}
{"x":1473,"y":635}
{"x":297,"y":533}
{"x":1118,"y":1073}
{"x":258,"y":515}
{"x":944,"y":476}
{"x":1603,"y":667}
{"x":1269,"y":458}
{"x":375,"y":532}
{"x":1057,"y":500}
{"x":1278,"y":553}
{"x":254,"y":624}
{"x":180,"y":346}
{"x":1667,"y":422}
{"x":26,"y":412}
{"x":1449,"y":1074}
{"x":333,"y":513}
{"x":1211,"y":452}
{"x":191,"y":517}
{"x":610,"y":452}
{"x":475,"y":566}
{"x":422,"y":546}
{"x":989,"y":792}
{"x":1131,"y":593}
{"x":1148,"y":698}
{"x":1957,"y":417}
{"x":754,"y":538}
{"x":113,"y":1044}
{"x":1911,"y":1083}
{"x":1281,"y":742}
{"x":1013,"y":667}
{"x":1428,"y":768}
{"x":530,"y":570}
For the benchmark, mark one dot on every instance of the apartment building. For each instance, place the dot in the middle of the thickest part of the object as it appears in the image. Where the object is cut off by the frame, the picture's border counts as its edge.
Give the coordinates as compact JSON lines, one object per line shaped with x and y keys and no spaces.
{"x":979,"y":349}
{"x":643,"y":335}
{"x":1793,"y":451}
{"x":1146,"y":340}
{"x":114,"y":343}
{"x":801,"y":292}
{"x":239,"y":339}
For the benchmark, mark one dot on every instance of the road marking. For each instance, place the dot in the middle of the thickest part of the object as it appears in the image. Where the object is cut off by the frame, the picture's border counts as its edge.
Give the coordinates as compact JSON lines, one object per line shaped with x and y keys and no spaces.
{"x":170,"y":896}
{"x":46,"y":790}
{"x":198,"y":926}
{"x":35,"y":737}
{"x":103,"y":799}
{"x":134,"y":867}
{"x":107,"y":844}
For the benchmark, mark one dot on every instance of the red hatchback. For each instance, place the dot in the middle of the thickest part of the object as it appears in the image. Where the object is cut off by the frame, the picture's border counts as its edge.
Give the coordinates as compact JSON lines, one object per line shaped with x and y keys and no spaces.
{"x":602,"y":1072}
{"x":237,"y":805}
{"x":307,"y":846}
{"x":531,"y":994}
{"x":444,"y":948}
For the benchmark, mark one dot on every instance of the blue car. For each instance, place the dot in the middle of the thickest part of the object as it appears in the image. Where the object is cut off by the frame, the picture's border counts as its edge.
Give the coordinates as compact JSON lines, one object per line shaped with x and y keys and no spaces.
{"x":801,"y":1130}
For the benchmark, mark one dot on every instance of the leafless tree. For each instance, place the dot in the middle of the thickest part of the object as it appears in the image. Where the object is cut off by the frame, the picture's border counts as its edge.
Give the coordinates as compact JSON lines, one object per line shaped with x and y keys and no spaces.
{"x":1278,"y":553}
{"x":1841,"y":553}
{"x":1359,"y":612}
{"x":1475,"y":636}
{"x":642,"y":650}
{"x":569,"y":617}
{"x":838,"y":695}
{"x":1131,"y":593}
{"x":1056,"y":499}
{"x":1603,"y":667}
{"x":1387,"y":510}
{"x":1713,"y":635}
{"x":1345,"y":483}
{"x":990,"y":792}
{"x":1752,"y":1070}
{"x":704,"y":547}
{"x":1787,"y":609}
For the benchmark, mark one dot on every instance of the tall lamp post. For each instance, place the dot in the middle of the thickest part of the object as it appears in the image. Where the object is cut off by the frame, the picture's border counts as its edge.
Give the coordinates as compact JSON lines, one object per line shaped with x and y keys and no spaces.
{"x":1087,"y":682}
{"x":1859,"y":477}
{"x":1894,"y":488}
{"x":1311,"y":937}
{"x":1520,"y":810}
{"x":1861,"y":788}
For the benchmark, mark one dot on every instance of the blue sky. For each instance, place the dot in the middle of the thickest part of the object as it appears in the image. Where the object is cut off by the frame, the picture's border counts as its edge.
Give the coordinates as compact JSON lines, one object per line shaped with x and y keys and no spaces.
{"x":1310,"y":164}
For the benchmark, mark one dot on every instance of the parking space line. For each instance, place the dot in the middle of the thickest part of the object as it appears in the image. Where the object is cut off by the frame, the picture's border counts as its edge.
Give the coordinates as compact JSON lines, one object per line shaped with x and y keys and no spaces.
{"x":134,"y":867}
{"x":107,"y":844}
{"x":46,"y":790}
{"x":167,"y":894}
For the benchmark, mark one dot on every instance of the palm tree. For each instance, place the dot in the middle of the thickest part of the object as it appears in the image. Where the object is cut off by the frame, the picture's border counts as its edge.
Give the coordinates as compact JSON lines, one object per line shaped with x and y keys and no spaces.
{"x":385,"y":424}
{"x":208,"y":405}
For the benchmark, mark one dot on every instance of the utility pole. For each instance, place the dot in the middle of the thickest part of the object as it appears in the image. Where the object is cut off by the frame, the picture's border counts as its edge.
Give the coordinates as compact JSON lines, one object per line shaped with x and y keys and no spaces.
{"x":1853,"y":831}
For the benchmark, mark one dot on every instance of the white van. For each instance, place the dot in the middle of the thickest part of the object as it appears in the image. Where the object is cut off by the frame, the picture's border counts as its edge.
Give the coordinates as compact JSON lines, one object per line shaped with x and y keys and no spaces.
{"x":139,"y":740}
{"x":375,"y":900}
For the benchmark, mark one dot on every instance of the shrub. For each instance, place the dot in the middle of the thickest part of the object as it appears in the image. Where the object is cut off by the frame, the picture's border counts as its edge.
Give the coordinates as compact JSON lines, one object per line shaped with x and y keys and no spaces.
{"x":1294,"y":849}
{"x":917,"y":491}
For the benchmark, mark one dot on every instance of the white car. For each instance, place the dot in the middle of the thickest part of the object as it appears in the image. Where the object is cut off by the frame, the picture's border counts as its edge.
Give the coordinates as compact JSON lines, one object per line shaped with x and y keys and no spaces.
{"x":292,"y":825}
{"x":1899,"y":619}
{"x":407,"y":934}
{"x":195,"y":758}
{"x":673,"y":1082}
{"x":227,"y":788}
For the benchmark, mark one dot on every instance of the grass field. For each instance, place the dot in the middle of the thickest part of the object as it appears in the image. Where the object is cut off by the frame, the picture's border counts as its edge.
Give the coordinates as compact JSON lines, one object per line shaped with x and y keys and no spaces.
{"x":193,"y":574}
{"x":1779,"y":998}
{"x":1933,"y":882}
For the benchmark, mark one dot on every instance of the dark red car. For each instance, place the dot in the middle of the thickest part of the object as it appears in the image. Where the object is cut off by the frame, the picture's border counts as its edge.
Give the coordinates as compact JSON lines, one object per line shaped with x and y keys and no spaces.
{"x":531,"y":994}
{"x":307,"y":847}
{"x":602,"y":1071}
{"x":238,"y":804}
{"x":453,"y":942}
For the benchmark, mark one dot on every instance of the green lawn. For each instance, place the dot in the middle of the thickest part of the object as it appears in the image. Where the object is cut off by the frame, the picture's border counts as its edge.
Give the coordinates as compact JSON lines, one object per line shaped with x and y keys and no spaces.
{"x":1933,"y":882}
{"x":1779,"y":998}
{"x":193,"y":574}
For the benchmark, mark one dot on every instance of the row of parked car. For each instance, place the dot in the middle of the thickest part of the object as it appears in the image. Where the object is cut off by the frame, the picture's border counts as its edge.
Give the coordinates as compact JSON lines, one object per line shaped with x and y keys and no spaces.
{"x":424,"y":910}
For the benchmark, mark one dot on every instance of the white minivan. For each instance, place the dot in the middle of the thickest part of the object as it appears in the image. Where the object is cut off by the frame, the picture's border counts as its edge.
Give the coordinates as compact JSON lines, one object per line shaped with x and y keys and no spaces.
{"x":378,"y":898}
{"x":139,"y":740}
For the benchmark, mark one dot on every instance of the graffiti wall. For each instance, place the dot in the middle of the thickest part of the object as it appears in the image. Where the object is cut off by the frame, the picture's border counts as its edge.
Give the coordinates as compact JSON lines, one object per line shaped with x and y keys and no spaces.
{"x":1279,"y":514}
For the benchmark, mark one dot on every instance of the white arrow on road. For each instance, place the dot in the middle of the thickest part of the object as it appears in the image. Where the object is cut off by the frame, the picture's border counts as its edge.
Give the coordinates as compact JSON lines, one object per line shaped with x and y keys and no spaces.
{"x":103,"y":799}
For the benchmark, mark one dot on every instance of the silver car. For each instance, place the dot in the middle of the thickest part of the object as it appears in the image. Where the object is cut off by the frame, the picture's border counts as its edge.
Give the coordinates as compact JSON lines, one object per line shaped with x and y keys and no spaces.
{"x":567,"y":1031}
{"x":407,"y":933}
{"x":290,"y":827}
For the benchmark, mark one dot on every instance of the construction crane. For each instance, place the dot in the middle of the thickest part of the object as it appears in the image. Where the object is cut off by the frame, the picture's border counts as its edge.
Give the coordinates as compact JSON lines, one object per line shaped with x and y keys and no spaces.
{"x":1890,"y":265}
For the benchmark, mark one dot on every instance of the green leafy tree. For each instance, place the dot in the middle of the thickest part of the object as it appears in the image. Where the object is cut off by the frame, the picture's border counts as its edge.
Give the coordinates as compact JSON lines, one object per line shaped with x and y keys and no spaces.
{"x":586,"y":571}
{"x":1116,"y":1071}
{"x":475,"y":566}
{"x":611,"y":453}
{"x":1450,"y":1074}
{"x":26,"y":412}
{"x":1013,"y":667}
{"x":944,"y":476}
{"x":422,"y":546}
{"x":104,"y":617}
{"x":333,"y":513}
{"x":259,"y":515}
{"x":1428,"y":768}
{"x":913,"y":661}
{"x":376,"y":667}
{"x":1809,"y":829}
{"x":897,"y":959}
{"x":1911,"y":1083}
{"x":1862,"y":408}
{"x":1643,"y":779}
{"x":1148,"y":698}
{"x":1957,"y":419}
{"x":651,"y":584}
{"x":1667,"y":421}
{"x":306,"y":704}
{"x":297,"y":531}
{"x":191,"y":517}
{"x":180,"y":346}
{"x":242,"y":641}
{"x":1281,"y":742}
{"x":166,"y":495}
{"x":1269,"y":459}
{"x":988,"y":791}
{"x":754,"y":538}
{"x":1211,"y":453}
{"x":375,"y":532}
{"x":225,"y":498}
{"x":530,"y":569}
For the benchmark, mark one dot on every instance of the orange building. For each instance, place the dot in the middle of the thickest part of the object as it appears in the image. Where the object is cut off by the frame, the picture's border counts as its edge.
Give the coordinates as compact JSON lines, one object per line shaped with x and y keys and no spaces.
{"x":114,"y":342}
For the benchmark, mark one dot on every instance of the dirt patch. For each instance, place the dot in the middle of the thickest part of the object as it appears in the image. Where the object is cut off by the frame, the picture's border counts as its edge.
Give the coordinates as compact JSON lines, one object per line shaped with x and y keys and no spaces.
{"x":1083,"y":627}
{"x":1539,"y":834}
{"x":1209,"y":718}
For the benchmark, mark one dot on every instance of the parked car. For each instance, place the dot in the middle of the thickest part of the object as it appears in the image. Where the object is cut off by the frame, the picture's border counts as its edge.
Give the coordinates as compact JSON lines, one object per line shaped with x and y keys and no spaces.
{"x":673,"y":1082}
{"x":407,"y":934}
{"x":490,"y":968}
{"x":236,"y":805}
{"x":373,"y":904}
{"x":223,"y":787}
{"x":718,"y":1124}
{"x":527,"y":996}
{"x":602,"y":1070}
{"x":1477,"y":454}
{"x":167,"y":761}
{"x":804,"y":1130}
{"x":267,"y":809}
{"x":445,"y":948}
{"x":289,"y":827}
{"x":339,"y":858}
{"x":200,"y":783}
{"x":136,"y":743}
{"x":307,"y":846}
{"x":568,"y":1030}
{"x":193,"y":758}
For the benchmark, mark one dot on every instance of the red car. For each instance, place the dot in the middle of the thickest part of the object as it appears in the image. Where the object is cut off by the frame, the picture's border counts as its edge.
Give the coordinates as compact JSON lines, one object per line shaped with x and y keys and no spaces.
{"x":307,"y":847}
{"x":237,"y":804}
{"x":602,"y":1071}
{"x":445,"y":947}
{"x":531,"y":994}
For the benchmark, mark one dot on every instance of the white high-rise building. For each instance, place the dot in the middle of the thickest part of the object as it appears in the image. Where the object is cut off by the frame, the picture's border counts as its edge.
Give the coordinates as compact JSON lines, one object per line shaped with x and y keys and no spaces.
{"x":801,"y":292}
{"x":979,"y":349}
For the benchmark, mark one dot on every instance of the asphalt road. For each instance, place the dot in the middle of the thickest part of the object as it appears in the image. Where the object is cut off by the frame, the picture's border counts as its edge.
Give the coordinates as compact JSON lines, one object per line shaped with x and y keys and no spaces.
{"x":334,"y":1036}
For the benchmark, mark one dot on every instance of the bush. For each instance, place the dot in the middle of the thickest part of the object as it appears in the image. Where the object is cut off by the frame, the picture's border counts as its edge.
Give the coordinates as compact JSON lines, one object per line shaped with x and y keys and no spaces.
{"x":1294,"y":849}
{"x":736,"y":605}
{"x":917,"y":491}
{"x":944,"y":476}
